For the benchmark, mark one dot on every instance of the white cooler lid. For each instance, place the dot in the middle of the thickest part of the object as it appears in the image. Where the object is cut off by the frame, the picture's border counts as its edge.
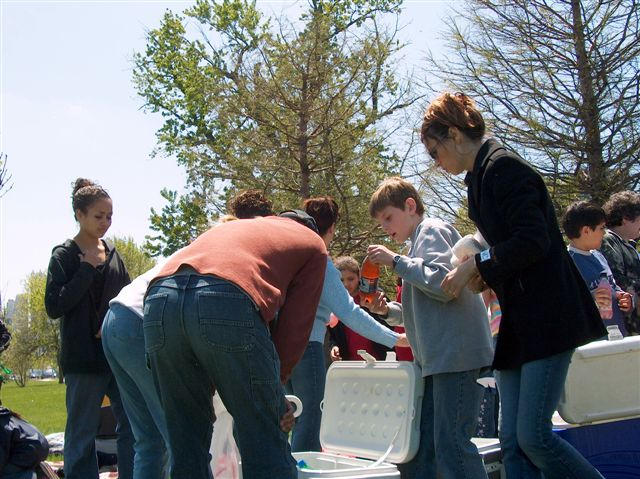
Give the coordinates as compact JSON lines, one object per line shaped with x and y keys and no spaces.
{"x":370,"y":404}
{"x":599,"y":349}
{"x":603,"y":382}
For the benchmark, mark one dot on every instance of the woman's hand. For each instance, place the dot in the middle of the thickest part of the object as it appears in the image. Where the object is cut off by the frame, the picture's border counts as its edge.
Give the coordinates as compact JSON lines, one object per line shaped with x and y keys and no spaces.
{"x":91,"y":257}
{"x":477,"y":284}
{"x":459,"y":277}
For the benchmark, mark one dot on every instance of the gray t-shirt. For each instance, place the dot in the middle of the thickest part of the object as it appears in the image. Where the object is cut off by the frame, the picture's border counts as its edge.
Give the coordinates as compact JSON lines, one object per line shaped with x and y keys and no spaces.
{"x":446,"y":335}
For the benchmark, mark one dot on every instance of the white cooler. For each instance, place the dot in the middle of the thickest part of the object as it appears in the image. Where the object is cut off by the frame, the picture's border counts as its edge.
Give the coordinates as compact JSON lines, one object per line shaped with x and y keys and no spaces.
{"x":370,"y":414}
{"x":603,"y":382}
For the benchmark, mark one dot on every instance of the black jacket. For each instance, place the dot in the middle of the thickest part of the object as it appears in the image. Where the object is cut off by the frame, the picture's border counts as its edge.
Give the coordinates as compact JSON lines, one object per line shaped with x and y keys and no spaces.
{"x":21,"y":444}
{"x":546,"y":306}
{"x":68,"y":296}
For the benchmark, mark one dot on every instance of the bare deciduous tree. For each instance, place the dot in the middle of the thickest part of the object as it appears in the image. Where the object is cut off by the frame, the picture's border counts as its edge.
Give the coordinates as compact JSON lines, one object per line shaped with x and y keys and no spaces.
{"x":5,"y":177}
{"x":558,"y":81}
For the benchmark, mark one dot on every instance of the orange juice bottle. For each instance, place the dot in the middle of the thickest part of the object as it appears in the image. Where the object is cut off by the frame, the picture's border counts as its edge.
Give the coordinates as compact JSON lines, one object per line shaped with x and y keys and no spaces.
{"x":369,"y":276}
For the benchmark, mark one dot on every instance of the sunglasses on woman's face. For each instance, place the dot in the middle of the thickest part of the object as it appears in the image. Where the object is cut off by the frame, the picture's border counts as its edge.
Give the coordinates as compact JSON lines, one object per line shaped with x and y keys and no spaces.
{"x":433,"y":152}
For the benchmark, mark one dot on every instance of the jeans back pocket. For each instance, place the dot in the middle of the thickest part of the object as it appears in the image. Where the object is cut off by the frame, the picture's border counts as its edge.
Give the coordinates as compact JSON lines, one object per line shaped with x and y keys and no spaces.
{"x":153,"y":323}
{"x":227,"y":320}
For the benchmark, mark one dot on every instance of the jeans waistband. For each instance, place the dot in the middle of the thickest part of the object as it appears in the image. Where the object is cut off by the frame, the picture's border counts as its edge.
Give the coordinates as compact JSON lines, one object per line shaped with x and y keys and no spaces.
{"x":187,"y":269}
{"x":121,"y":310}
{"x":190,"y":280}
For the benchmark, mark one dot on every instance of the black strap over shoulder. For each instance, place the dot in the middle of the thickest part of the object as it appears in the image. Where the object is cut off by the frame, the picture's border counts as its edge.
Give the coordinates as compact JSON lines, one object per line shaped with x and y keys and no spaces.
{"x":301,"y":217}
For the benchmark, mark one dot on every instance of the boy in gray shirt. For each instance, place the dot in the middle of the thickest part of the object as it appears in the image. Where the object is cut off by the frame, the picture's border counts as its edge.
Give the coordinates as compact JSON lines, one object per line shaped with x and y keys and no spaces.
{"x":450,"y":337}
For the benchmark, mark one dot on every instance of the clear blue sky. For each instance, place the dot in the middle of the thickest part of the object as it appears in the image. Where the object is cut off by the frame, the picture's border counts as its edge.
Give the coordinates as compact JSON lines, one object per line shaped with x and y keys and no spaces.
{"x":68,"y":108}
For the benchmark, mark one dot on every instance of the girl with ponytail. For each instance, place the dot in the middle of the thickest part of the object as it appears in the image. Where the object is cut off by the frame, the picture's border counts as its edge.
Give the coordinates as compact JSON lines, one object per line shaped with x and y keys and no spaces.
{"x":84,"y":274}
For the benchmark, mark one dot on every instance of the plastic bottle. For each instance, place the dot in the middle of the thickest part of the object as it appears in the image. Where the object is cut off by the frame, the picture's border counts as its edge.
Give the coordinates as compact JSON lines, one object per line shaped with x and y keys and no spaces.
{"x":613,"y":333}
{"x":606,"y":310}
{"x":369,"y":276}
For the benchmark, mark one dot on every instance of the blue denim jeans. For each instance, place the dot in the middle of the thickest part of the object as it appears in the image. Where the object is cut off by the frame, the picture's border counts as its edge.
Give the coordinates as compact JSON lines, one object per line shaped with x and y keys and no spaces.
{"x":448,"y":420}
{"x":200,"y":332}
{"x":528,"y":397}
{"x":84,"y":398}
{"x":123,"y":344}
{"x":307,"y":382}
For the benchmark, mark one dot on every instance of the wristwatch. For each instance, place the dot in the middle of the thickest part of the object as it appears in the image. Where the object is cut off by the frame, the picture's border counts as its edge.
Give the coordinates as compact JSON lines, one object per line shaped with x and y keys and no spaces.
{"x":396,"y":260}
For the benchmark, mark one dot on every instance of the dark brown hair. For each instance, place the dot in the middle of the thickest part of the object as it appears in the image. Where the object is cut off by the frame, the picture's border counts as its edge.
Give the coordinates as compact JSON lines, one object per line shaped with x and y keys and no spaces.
{"x":85,"y":193}
{"x":579,"y":214}
{"x":452,"y":110}
{"x":249,"y":204}
{"x":394,"y":192}
{"x":624,"y":205}
{"x":324,"y":210}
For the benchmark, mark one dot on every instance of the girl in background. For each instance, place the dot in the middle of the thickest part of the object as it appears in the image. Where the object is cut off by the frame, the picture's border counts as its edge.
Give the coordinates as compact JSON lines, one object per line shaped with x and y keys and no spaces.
{"x":345,"y":341}
{"x":84,"y":274}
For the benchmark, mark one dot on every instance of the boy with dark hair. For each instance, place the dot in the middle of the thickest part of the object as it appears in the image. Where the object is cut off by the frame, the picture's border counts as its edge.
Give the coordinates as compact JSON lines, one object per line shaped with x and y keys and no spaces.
{"x":449,"y":336}
{"x":623,"y":228}
{"x":584,"y":225}
{"x":583,"y":217}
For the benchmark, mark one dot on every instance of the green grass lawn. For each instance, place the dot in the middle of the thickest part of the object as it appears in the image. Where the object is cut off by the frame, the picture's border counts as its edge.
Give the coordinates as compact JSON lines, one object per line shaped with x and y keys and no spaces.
{"x":39,"y":402}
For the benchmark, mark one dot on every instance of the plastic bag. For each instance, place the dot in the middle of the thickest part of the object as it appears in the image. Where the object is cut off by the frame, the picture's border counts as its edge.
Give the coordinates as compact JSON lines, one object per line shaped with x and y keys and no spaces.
{"x":225,"y":456}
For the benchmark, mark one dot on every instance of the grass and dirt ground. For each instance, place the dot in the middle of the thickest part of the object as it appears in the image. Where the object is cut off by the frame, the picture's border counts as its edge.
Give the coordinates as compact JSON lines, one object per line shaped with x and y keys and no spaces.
{"x":41,"y":402}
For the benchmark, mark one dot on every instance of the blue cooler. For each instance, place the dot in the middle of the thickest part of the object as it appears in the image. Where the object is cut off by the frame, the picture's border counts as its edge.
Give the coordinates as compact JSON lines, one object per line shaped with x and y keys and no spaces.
{"x":612,"y":447}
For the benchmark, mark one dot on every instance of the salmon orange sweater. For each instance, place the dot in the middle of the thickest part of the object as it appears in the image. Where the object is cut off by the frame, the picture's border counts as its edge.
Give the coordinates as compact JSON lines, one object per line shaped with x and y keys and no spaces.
{"x":278,"y":262}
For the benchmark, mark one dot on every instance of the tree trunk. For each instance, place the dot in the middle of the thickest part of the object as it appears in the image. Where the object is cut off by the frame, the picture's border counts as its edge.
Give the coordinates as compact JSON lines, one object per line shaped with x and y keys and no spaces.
{"x":596,"y":186}
{"x":303,"y":142}
{"x":60,"y":371}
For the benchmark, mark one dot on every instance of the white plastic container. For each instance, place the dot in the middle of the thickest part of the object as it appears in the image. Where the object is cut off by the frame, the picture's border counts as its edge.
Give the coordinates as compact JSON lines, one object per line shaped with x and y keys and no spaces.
{"x":603,"y":382}
{"x":325,"y":465}
{"x":371,"y":410}
{"x":489,"y":449}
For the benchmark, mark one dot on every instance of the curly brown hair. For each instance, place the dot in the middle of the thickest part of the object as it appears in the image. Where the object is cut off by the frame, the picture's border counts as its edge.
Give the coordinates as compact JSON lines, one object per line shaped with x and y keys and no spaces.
{"x":249,"y":204}
{"x":580,"y":214}
{"x":624,"y":205}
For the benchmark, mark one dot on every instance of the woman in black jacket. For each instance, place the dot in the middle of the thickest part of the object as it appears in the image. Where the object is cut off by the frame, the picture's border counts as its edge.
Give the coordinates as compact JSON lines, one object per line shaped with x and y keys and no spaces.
{"x":84,"y":274}
{"x":547,"y":310}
